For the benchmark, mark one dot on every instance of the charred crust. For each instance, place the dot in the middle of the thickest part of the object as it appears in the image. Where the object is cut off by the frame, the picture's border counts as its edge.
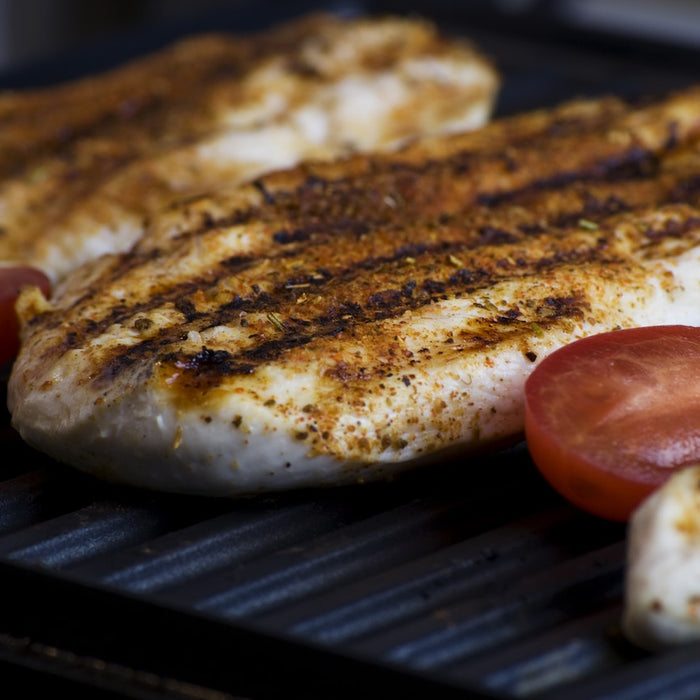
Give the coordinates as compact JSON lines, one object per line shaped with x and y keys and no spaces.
{"x":186,"y":308}
{"x":207,"y":358}
{"x":386,"y":300}
{"x":259,"y":185}
{"x":635,"y":163}
{"x":593,"y":209}
{"x":491,"y":235}
{"x":570,"y":306}
{"x":434,"y":287}
{"x":207,"y":362}
{"x":673,"y":228}
{"x":297,"y":236}
{"x":687,"y":190}
{"x":235,"y":263}
{"x":509,"y":316}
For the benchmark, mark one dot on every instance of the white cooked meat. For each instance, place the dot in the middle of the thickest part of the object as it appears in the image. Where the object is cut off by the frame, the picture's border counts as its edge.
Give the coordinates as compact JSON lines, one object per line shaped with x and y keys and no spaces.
{"x":342,"y":322}
{"x":82,"y":164}
{"x":662,"y":587}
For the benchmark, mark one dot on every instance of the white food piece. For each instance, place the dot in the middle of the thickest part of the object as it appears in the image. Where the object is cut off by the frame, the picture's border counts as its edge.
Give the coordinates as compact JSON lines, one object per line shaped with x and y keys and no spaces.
{"x":662,"y":586}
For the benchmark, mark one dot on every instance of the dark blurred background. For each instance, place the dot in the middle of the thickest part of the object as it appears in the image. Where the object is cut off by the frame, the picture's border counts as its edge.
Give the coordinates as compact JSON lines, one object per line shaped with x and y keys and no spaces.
{"x":547,"y":49}
{"x":32,"y":30}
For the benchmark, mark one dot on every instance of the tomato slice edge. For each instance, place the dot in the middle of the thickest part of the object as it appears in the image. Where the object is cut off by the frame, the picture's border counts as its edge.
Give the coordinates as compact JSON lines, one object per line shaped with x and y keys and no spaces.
{"x":12,"y":279}
{"x":608,"y":493}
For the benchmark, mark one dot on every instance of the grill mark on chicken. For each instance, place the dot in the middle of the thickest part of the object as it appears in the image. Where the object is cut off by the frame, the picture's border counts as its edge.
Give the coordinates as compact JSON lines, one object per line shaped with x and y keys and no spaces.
{"x":330,"y":239}
{"x":434,"y":278}
{"x":494,"y":143}
{"x":204,"y":369}
{"x":466,"y":240}
{"x":614,"y":156}
{"x":634,"y":163}
{"x":202,"y":376}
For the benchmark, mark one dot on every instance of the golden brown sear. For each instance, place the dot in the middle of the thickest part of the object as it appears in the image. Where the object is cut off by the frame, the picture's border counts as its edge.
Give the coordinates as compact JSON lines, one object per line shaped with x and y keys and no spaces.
{"x":343,"y":321}
{"x":82,"y":164}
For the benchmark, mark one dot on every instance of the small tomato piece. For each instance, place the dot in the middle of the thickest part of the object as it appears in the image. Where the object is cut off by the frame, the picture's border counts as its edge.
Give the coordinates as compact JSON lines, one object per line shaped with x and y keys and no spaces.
{"x":12,"y":279}
{"x":610,"y":417}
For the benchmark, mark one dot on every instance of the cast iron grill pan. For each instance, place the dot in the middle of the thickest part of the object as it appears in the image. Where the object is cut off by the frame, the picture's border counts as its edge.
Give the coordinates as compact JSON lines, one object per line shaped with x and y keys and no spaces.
{"x":469,"y":579}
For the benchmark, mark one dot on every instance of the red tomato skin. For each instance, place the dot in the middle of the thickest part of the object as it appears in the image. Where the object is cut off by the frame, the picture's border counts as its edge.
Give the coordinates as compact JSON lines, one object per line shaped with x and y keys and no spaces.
{"x":600,"y":493}
{"x":12,"y":279}
{"x":608,"y":488}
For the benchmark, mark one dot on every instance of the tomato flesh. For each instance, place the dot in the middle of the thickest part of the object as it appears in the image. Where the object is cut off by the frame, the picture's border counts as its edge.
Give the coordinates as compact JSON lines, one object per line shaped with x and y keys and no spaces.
{"x":610,"y":417}
{"x":12,"y":279}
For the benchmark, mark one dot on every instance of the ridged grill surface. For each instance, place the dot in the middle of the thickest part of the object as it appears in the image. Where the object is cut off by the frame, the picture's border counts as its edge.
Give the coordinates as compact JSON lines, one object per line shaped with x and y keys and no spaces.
{"x":474,"y":576}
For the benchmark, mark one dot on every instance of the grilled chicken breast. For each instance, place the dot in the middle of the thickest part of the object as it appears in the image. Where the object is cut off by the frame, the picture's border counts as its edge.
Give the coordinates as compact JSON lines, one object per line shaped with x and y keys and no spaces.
{"x":343,"y":321}
{"x":83,"y":163}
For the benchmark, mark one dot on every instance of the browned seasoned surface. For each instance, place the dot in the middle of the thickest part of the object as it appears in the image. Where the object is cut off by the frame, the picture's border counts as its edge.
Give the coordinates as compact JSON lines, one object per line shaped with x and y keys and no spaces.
{"x":82,"y":164}
{"x":392,"y":233}
{"x":383,"y":308}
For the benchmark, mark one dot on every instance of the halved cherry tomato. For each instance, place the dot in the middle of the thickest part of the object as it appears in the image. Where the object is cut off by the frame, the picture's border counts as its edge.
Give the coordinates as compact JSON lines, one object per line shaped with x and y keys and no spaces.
{"x":11,"y":280}
{"x":610,"y":417}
